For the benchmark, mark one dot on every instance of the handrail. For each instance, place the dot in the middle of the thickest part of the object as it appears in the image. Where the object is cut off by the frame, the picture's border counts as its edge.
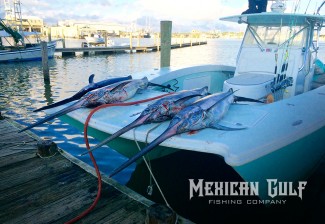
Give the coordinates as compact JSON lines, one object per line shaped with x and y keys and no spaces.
{"x":319,"y":8}
{"x":254,"y":34}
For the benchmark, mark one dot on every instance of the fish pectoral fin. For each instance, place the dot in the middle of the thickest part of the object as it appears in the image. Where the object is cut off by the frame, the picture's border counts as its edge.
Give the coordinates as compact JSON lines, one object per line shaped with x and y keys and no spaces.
{"x":91,"y":78}
{"x":228,"y":128}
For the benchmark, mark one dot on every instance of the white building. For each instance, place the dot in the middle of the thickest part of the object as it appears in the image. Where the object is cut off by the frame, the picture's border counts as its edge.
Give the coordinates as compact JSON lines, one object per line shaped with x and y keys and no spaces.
{"x":78,"y":29}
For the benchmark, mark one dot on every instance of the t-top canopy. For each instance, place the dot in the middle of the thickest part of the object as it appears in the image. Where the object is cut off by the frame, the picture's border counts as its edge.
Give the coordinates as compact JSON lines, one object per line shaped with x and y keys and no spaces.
{"x":273,"y":19}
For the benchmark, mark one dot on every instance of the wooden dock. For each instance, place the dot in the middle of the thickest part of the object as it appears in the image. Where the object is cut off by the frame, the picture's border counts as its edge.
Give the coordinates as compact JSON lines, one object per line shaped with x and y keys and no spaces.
{"x":57,"y":188}
{"x":122,"y":49}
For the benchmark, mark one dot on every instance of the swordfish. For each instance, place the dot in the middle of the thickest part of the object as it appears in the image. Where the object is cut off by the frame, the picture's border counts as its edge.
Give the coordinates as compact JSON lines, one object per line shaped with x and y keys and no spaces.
{"x":204,"y":113}
{"x":91,"y":86}
{"x":161,"y":110}
{"x":114,"y":93}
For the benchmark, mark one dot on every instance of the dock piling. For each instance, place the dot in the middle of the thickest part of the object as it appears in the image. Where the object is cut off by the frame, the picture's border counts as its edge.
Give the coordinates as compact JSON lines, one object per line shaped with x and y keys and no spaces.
{"x":158,"y":213}
{"x":63,"y":41}
{"x":46,"y":148}
{"x":166,"y":36}
{"x":49,"y":35}
{"x":45,"y":63}
{"x":105,"y":38}
{"x":131,"y":42}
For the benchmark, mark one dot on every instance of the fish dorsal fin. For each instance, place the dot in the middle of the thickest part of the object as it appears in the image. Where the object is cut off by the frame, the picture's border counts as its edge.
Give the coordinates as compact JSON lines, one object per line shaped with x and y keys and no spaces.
{"x":91,"y":78}
{"x":120,"y":85}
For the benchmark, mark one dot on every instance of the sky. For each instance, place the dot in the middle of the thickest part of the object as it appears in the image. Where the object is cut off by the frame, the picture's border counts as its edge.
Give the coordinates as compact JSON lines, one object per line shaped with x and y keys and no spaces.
{"x":185,"y":14}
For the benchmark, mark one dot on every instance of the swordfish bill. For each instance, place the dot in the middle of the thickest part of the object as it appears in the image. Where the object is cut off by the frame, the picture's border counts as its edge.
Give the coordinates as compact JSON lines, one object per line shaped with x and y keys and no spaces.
{"x":167,"y":134}
{"x":91,"y":86}
{"x":75,"y":106}
{"x":116,"y":92}
{"x":193,"y":117}
{"x":161,"y":110}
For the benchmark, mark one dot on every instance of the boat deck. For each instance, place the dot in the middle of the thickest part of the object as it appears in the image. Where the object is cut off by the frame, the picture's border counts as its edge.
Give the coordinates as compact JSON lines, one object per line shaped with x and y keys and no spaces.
{"x":55,"y":189}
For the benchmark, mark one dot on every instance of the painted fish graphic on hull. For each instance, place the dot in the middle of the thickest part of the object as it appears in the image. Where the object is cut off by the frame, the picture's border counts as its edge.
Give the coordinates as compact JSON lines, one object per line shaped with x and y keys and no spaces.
{"x":91,"y":86}
{"x":114,"y":93}
{"x":204,"y":113}
{"x":161,"y":110}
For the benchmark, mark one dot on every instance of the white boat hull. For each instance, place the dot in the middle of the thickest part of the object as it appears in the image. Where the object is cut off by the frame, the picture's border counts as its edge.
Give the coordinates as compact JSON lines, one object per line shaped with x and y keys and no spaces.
{"x":95,"y":40}
{"x":282,"y":139}
{"x":27,"y":54}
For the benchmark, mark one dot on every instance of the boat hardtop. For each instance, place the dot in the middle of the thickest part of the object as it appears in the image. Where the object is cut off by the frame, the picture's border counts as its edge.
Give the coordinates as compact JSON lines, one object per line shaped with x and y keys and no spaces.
{"x":272,"y":18}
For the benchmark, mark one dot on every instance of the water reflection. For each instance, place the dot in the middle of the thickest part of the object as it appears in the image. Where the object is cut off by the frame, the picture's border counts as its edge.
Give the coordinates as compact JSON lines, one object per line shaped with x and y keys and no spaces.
{"x":48,"y":91}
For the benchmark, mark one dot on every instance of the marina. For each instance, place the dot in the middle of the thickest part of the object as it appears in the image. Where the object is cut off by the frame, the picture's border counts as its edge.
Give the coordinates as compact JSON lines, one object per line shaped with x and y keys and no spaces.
{"x":228,"y":130}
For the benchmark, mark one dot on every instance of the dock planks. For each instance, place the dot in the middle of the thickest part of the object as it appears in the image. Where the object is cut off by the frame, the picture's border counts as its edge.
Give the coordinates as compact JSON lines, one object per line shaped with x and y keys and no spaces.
{"x":55,"y":189}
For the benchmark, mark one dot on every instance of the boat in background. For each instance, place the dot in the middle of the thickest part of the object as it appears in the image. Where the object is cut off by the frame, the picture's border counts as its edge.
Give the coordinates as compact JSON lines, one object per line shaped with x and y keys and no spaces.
{"x":14,"y":46}
{"x":284,"y":137}
{"x":97,"y":39}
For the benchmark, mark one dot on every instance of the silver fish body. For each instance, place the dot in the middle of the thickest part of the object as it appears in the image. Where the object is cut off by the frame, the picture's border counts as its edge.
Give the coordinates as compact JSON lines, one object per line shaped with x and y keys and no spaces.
{"x":125,"y":92}
{"x":167,"y":107}
{"x":161,"y":110}
{"x":91,"y":86}
{"x":108,"y":94}
{"x":201,"y":114}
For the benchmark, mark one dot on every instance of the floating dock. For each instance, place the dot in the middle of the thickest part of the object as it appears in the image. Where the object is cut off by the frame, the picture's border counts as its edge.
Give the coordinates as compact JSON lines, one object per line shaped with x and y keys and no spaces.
{"x":57,"y":188}
{"x":122,"y":49}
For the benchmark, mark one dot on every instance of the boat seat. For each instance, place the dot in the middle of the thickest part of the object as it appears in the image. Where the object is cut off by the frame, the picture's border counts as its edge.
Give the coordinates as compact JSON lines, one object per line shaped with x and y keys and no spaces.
{"x":248,"y":63}
{"x":250,"y":85}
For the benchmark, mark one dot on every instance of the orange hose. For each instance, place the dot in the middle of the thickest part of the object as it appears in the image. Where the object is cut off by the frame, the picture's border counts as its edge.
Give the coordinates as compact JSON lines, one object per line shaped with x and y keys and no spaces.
{"x":87,"y":211}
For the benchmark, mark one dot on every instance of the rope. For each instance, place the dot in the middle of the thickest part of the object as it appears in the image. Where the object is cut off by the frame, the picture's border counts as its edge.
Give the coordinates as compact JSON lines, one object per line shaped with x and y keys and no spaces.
{"x":92,"y":206}
{"x":149,"y":168}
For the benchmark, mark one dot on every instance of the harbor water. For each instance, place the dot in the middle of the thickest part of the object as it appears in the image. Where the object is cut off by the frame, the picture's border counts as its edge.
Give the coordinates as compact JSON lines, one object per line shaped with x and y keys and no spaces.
{"x":23,"y":89}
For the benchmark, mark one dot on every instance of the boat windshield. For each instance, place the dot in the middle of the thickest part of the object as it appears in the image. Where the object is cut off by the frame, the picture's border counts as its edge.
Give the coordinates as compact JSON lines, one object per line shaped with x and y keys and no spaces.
{"x":278,"y":36}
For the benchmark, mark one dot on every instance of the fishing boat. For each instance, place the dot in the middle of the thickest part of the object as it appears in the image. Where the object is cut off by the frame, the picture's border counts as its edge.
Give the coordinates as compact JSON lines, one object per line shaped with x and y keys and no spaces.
{"x":14,"y":47}
{"x":283,"y":137}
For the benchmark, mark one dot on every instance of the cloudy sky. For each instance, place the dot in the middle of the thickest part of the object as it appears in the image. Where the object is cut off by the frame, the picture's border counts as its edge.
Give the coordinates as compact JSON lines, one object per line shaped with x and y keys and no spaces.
{"x":185,"y":14}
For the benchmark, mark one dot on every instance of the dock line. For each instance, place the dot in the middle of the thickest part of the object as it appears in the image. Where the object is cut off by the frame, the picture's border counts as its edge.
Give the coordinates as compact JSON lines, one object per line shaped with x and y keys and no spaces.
{"x":87,"y":211}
